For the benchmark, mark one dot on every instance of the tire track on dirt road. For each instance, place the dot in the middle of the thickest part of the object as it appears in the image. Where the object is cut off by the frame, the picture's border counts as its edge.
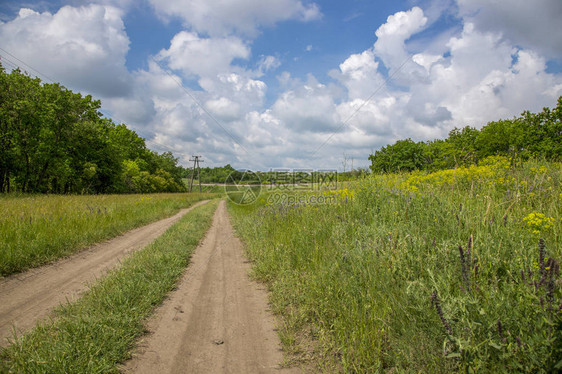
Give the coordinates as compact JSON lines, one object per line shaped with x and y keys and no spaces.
{"x":216,"y":321}
{"x":29,"y":297}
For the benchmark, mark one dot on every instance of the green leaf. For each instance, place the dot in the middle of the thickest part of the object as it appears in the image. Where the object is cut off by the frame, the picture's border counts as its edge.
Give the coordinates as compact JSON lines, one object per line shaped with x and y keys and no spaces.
{"x":453,"y":355}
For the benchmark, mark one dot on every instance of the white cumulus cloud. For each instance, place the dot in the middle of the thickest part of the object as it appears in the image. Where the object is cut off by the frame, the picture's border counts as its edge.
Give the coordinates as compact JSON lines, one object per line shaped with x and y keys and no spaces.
{"x":391,"y":36}
{"x":530,"y":24}
{"x":205,"y":57}
{"x":309,"y":108}
{"x":224,"y":109}
{"x":83,"y":47}
{"x":359,"y":74}
{"x":223,"y":17}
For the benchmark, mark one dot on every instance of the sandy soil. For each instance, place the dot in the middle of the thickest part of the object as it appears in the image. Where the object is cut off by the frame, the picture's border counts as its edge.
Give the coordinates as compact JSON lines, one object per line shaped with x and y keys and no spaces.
{"x":216,"y":321}
{"x":28,"y":297}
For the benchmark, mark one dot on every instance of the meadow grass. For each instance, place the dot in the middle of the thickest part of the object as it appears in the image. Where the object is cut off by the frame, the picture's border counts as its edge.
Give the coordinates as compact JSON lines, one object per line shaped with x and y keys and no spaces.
{"x":37,"y":229}
{"x":97,"y":332}
{"x":418,"y":272}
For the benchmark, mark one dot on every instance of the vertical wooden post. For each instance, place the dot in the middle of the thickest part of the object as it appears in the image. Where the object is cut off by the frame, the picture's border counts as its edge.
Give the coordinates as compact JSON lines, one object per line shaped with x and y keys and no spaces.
{"x":196,"y":160}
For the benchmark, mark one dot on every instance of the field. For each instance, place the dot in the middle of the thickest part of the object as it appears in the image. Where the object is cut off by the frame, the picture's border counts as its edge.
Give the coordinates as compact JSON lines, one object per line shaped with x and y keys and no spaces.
{"x":456,"y":270}
{"x":36,"y":229}
{"x":96,"y":333}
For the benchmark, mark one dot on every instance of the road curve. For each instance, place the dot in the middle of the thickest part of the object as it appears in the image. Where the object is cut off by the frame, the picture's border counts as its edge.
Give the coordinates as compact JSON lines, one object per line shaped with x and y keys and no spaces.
{"x":28,"y":297}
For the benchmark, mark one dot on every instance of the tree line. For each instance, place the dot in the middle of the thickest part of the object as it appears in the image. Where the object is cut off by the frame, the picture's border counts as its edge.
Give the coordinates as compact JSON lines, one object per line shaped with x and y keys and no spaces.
{"x":537,"y":135}
{"x":217,"y":174}
{"x":53,"y":140}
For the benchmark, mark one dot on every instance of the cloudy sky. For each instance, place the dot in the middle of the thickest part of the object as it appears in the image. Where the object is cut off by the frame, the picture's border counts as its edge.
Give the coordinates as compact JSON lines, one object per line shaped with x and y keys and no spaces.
{"x":264,"y":84}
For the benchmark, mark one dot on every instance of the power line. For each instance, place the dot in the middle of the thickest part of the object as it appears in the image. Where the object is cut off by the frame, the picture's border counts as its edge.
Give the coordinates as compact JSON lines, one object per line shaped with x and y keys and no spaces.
{"x":10,"y":63}
{"x":15,"y":65}
{"x":38,"y":73}
{"x":29,"y":66}
{"x":7,"y":62}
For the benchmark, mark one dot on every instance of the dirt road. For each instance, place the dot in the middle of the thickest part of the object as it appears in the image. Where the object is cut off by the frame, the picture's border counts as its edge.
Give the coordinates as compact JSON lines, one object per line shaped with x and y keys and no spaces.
{"x":217,"y":320}
{"x":28,"y":297}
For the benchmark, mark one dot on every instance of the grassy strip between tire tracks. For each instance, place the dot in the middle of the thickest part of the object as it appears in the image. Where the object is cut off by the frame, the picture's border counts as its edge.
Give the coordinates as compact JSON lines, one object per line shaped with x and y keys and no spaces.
{"x":98,"y":332}
{"x":36,"y":229}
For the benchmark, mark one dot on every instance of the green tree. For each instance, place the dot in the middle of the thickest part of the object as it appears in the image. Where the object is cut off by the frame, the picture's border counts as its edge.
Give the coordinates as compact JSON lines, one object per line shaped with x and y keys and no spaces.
{"x":462,"y":147}
{"x":7,"y":151}
{"x":404,"y":155}
{"x":55,"y":140}
{"x":545,"y":132}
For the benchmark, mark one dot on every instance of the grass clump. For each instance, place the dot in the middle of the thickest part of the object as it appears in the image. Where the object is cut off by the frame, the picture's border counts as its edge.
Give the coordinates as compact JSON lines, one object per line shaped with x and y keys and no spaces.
{"x":37,"y":229}
{"x":441,"y":272}
{"x":97,"y":332}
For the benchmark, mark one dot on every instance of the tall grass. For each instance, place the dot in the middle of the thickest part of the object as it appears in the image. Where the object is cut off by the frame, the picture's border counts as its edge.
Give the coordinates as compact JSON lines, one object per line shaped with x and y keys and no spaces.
{"x":435,"y":273}
{"x":37,"y":229}
{"x":98,"y":332}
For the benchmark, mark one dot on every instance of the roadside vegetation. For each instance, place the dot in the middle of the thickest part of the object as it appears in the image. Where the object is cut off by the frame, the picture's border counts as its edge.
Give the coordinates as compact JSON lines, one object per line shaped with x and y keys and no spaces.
{"x":452,"y":270}
{"x":97,"y":332}
{"x":531,"y":135}
{"x":36,"y":229}
{"x":53,"y":140}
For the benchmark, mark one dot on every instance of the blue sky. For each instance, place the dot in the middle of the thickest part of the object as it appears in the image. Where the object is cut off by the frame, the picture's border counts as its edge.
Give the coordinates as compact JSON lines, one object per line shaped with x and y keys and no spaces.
{"x":292,"y":83}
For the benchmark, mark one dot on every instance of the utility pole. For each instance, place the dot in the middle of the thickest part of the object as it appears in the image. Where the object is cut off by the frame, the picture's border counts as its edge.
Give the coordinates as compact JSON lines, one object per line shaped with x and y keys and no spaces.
{"x":196,"y":160}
